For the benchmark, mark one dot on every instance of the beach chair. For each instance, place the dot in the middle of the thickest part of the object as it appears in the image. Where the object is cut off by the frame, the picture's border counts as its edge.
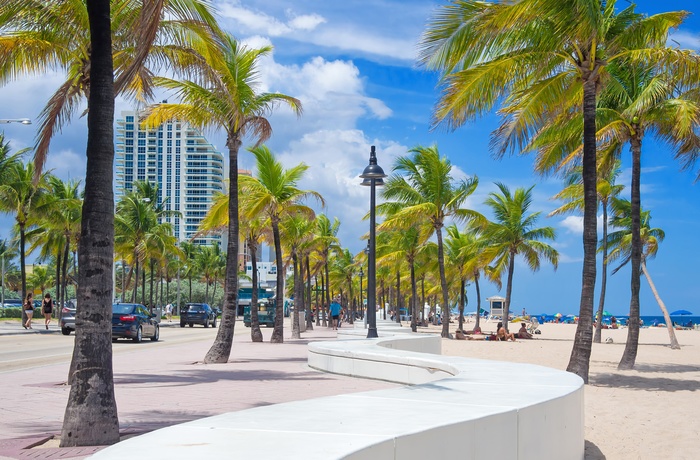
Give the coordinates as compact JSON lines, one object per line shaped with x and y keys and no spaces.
{"x":533,"y":327}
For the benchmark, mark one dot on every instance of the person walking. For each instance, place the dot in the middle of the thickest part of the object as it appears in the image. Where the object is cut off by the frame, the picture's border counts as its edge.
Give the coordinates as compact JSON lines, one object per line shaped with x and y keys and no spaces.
{"x":29,"y":310}
{"x":169,"y":312}
{"x":47,"y":309}
{"x":335,"y":312}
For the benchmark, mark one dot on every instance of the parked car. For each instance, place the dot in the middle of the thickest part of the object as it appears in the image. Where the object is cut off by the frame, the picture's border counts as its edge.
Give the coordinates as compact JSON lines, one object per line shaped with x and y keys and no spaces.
{"x":12,"y":303}
{"x":133,"y":321}
{"x":198,"y":313}
{"x":67,"y":322}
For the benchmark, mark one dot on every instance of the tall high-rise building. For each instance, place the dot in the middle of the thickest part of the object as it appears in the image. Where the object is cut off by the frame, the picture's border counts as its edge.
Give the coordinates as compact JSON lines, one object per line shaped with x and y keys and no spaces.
{"x":177,"y":157}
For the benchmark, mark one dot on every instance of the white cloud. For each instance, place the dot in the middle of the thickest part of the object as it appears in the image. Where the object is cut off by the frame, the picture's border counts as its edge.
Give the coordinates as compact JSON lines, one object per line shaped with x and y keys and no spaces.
{"x":305,"y":22}
{"x":255,"y":21}
{"x":67,"y":165}
{"x":574,"y":225}
{"x":348,"y":38}
{"x":338,"y":32}
{"x":336,"y":158}
{"x":332,"y":94}
{"x":686,"y":40}
{"x":263,"y":23}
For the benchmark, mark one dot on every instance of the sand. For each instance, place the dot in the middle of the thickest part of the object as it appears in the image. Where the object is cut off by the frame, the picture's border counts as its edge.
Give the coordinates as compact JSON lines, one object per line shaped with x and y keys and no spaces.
{"x":646,"y":413}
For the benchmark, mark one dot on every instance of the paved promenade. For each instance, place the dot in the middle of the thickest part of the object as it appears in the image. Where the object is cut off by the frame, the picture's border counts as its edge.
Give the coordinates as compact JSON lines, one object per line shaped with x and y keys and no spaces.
{"x":162,"y":384}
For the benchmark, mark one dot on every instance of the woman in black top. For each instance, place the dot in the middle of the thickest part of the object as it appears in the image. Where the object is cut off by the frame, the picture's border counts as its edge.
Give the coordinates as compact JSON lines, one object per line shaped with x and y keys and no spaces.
{"x":47,"y":309}
{"x":29,"y":310}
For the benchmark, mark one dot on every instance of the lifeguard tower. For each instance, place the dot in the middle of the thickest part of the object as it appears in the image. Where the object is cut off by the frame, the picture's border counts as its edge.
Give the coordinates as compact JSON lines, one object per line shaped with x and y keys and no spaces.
{"x":496,"y":305}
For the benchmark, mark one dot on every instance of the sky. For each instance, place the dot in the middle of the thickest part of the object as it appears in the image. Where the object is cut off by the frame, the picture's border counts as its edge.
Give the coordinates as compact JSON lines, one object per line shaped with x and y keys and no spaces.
{"x":352,"y":64}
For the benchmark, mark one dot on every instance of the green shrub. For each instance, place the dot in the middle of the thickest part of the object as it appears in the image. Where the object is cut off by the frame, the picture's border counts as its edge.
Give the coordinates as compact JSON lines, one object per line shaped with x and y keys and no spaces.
{"x":11,"y":312}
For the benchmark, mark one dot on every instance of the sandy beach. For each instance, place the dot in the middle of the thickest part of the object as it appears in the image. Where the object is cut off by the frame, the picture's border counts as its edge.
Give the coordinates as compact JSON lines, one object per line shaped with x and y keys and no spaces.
{"x":646,"y":413}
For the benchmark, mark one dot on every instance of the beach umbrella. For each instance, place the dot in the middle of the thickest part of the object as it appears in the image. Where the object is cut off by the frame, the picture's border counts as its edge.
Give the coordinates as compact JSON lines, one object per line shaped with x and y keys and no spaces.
{"x":681,"y":313}
{"x":558,"y":315}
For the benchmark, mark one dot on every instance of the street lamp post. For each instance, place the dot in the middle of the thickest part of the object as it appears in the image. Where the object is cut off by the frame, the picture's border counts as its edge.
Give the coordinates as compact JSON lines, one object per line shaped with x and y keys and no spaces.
{"x":362,"y":306}
{"x":373,"y":176}
{"x":23,"y":121}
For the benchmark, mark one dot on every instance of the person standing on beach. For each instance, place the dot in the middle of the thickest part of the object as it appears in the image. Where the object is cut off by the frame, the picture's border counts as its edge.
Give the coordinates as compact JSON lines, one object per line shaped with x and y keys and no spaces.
{"x":335,"y":312}
{"x":47,"y":309}
{"x":29,"y":310}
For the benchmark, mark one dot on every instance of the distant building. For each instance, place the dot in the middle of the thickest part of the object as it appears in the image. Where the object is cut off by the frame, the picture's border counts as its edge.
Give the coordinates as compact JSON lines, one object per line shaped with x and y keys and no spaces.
{"x":187,"y":168}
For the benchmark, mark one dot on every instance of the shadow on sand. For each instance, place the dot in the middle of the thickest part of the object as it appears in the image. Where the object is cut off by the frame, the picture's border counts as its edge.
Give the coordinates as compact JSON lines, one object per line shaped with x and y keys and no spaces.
{"x":591,"y":452}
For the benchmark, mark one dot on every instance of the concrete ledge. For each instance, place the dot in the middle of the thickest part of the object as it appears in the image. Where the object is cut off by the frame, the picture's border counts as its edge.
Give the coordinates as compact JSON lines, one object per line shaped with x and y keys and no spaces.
{"x":455,"y":408}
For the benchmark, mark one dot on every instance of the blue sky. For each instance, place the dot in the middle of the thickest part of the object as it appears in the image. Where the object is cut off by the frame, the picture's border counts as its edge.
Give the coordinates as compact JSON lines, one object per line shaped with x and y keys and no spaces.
{"x":352,"y":65}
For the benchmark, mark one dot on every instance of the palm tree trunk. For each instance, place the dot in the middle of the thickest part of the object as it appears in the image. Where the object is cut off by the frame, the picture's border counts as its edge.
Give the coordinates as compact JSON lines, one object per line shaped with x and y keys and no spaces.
{"x":297,"y":297}
{"x":669,"y":324}
{"x":255,"y":332}
{"x":143,"y":283}
{"x":414,"y":300}
{"x":58,"y":305}
{"x":579,"y":361}
{"x":307,"y":303}
{"x":22,"y":268}
{"x":221,"y":348}
{"x":509,"y":290}
{"x":91,"y":413}
{"x":134,"y":293}
{"x":189,"y":277}
{"x":123,"y":283}
{"x":150,"y":297}
{"x":462,"y":286}
{"x":398,"y":296}
{"x":629,"y":356}
{"x":328,"y":295}
{"x":603,"y":277}
{"x":478,"y":301}
{"x":64,"y":288}
{"x":443,"y":285}
{"x":278,"y":332}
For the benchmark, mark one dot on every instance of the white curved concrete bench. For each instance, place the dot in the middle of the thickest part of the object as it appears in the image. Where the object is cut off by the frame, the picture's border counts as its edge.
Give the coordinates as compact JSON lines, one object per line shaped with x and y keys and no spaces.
{"x":455,"y":408}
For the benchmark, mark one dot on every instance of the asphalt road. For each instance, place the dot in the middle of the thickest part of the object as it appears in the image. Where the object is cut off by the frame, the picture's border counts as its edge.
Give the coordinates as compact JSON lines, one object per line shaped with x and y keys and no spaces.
{"x":40,"y":348}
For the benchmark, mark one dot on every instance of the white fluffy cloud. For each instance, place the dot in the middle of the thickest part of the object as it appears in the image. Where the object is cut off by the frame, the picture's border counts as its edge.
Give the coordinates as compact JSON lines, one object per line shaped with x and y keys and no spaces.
{"x":686,"y":40}
{"x":260,"y":22}
{"x":312,"y":28}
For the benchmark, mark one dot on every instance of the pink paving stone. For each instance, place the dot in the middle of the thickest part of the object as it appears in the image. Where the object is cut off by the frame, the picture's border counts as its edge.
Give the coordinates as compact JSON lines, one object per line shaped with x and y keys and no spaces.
{"x":165,"y":385}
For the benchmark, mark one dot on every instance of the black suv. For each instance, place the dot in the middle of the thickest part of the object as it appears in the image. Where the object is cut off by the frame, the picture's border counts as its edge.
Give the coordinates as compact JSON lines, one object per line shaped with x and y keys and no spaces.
{"x":198,"y":313}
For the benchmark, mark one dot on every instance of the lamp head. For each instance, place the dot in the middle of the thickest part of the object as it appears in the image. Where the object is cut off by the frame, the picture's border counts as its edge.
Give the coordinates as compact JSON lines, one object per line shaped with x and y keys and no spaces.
{"x":368,"y":182}
{"x":373,"y":170}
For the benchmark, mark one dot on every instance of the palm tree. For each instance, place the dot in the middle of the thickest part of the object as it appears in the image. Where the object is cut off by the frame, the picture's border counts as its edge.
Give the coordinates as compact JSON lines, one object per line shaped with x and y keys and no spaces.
{"x":406,"y":244}
{"x":227,"y":99}
{"x":91,"y":412}
{"x":513,"y":233}
{"x":458,"y":246}
{"x":5,"y":157}
{"x":40,"y":278}
{"x":428,"y":192}
{"x":57,"y":221}
{"x":328,"y":242}
{"x":620,"y":243}
{"x":147,"y":37}
{"x":209,"y":260}
{"x":607,"y":189}
{"x":639,"y":98}
{"x":18,"y":195}
{"x":134,"y":219}
{"x":535,"y":57}
{"x":273,"y":193}
{"x":295,"y":233}
{"x":8,"y":251}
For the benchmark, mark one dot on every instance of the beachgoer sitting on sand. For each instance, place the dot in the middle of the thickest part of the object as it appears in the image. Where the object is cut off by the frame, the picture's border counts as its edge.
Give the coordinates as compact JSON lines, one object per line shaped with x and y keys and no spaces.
{"x":522,"y":333}
{"x":502,"y":335}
